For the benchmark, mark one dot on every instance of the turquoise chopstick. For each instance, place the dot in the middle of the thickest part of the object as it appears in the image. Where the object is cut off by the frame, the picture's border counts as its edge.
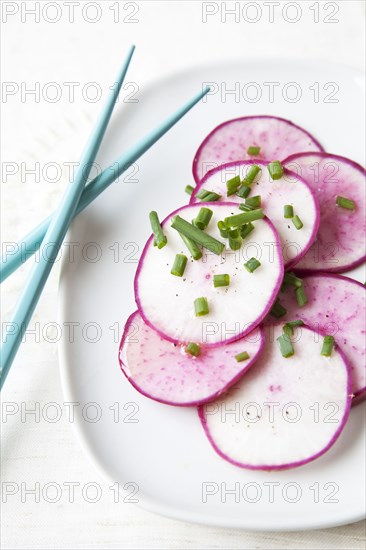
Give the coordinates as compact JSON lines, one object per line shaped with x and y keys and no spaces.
{"x":56,"y":232}
{"x":31,"y":242}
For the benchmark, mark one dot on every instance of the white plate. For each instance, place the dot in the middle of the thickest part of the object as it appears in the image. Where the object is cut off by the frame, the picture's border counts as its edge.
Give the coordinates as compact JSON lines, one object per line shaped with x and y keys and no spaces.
{"x":164,"y":453}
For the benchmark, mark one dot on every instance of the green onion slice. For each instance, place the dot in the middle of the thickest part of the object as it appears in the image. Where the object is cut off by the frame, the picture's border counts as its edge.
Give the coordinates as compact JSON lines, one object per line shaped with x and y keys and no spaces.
{"x":221,"y":280}
{"x":291,"y":279}
{"x":224,"y":232}
{"x":189,"y":189}
{"x":275,"y":170}
{"x":327,"y":346}
{"x":243,"y":191}
{"x":193,"y":349}
{"x":252,"y":264}
{"x":194,"y":250}
{"x":251,"y":174}
{"x":243,"y":356}
{"x":197,"y":235}
{"x":254,"y":202}
{"x":345,"y":203}
{"x":246,"y":229}
{"x":160,"y":238}
{"x":278,"y":310}
{"x":179,"y":265}
{"x":301,"y":297}
{"x":232,"y":185}
{"x":240,"y":219}
{"x":253,"y":150}
{"x":208,"y":196}
{"x":203,"y":218}
{"x":288,"y":211}
{"x":201,"y":307}
{"x":286,"y":346}
{"x":297,"y":222}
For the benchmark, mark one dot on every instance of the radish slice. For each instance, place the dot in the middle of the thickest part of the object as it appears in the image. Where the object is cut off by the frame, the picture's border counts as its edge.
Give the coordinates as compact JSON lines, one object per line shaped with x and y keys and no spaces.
{"x":336,"y":306}
{"x":277,"y":138}
{"x":284,"y":412}
{"x":163,"y":371}
{"x":275,"y":194}
{"x":166,"y":302}
{"x":340,"y":243}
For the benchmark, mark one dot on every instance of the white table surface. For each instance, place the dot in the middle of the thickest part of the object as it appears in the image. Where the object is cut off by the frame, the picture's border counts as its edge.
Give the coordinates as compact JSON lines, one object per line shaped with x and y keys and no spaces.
{"x":170,"y":36}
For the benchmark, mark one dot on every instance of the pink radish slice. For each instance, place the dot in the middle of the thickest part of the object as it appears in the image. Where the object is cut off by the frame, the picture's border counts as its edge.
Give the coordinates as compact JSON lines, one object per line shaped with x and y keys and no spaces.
{"x":340,"y":242}
{"x":166,"y":302}
{"x":282,"y":413}
{"x":164,"y":372}
{"x":277,"y":138}
{"x":290,"y":189}
{"x":336,"y":306}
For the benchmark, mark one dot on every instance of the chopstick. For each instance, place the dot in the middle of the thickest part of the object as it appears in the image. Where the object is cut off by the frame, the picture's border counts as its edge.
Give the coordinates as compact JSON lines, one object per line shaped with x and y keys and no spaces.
{"x":56,"y":232}
{"x":27,"y":246}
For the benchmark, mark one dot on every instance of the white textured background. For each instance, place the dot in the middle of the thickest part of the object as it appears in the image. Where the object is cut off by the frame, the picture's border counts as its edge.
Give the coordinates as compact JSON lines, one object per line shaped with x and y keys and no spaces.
{"x":170,"y":36}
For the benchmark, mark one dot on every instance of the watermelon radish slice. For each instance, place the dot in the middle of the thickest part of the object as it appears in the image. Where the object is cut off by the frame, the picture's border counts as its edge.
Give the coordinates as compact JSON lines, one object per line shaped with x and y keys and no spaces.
{"x":340,"y":242}
{"x":282,"y":413}
{"x":336,"y":306}
{"x":275,"y":194}
{"x":166,"y":302}
{"x":164,"y":372}
{"x":277,"y":138}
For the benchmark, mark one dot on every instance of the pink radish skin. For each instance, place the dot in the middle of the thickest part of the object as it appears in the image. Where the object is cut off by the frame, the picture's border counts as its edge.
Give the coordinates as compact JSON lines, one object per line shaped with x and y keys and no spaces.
{"x":255,"y":438}
{"x":162,"y":371}
{"x":340,"y":242}
{"x":277,"y":137}
{"x":290,"y":189}
{"x":166,"y":302}
{"x":336,"y":305}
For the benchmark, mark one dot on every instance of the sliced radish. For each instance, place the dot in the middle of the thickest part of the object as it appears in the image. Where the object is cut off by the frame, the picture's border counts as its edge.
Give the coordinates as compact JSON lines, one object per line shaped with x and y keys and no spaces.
{"x":336,"y":306}
{"x":340,"y":242}
{"x":166,"y":302}
{"x":277,"y":138}
{"x":284,"y":412}
{"x":275,"y":194}
{"x":164,"y":372}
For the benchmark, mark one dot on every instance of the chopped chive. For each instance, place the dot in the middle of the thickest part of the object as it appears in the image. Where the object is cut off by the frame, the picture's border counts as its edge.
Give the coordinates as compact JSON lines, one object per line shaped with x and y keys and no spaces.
{"x":224,"y":232}
{"x":297,"y":222}
{"x":243,"y":191}
{"x":301,"y":297}
{"x":278,"y":310}
{"x":189,"y":189}
{"x":345,"y":203}
{"x":193,"y":349}
{"x":179,"y":265}
{"x":194,"y":250}
{"x":288,"y":211}
{"x":327,"y":346}
{"x":246,"y":229}
{"x":201,"y":307}
{"x":296,"y":323}
{"x":251,"y":174}
{"x":254,"y":202}
{"x":252,"y":264}
{"x":221,"y":280}
{"x":243,"y":356}
{"x":286,"y":346}
{"x":234,"y":239}
{"x":245,"y":207}
{"x":160,"y":238}
{"x":208,"y":196}
{"x":203,"y":218}
{"x":291,"y":279}
{"x":287,"y":331}
{"x":232,"y":185}
{"x":275,"y":170}
{"x":253,"y":150}
{"x":197,"y":235}
{"x":240,"y":219}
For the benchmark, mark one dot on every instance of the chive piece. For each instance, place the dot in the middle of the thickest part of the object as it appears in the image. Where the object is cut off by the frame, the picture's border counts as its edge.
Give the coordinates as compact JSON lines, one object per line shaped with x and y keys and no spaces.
{"x":301,"y":297}
{"x":278,"y":310}
{"x":245,"y":207}
{"x":345,"y":203}
{"x":251,"y":174}
{"x":232,"y":185}
{"x":194,"y":250}
{"x":253,"y":150}
{"x":327,"y":346}
{"x":254,"y":202}
{"x":291,"y":279}
{"x":201,"y":307}
{"x":297,"y":222}
{"x":240,"y":219}
{"x":288,"y":211}
{"x":179,"y":265}
{"x":234,"y":239}
{"x":252,"y":264}
{"x":208,"y":196}
{"x":189,"y":189}
{"x":275,"y":170}
{"x":224,"y":232}
{"x":203,"y":218}
{"x":246,"y":229}
{"x":221,"y":280}
{"x":193,"y":349}
{"x":243,"y":356}
{"x":160,"y":238}
{"x":243,"y":191}
{"x":286,"y":346}
{"x":294,"y":324}
{"x":197,"y":235}
{"x":287,"y":331}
